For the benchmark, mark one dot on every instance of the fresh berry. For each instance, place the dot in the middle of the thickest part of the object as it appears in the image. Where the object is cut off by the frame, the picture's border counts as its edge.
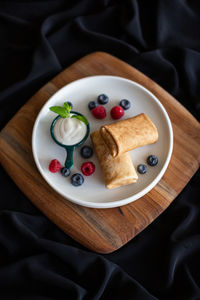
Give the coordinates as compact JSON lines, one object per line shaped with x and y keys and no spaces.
{"x":70,"y":104}
{"x":65,"y":172}
{"x":117,"y":112}
{"x":77,"y":179}
{"x":86,"y":151}
{"x":88,"y":168}
{"x":142,"y":169}
{"x":103,"y":99}
{"x":92,"y":104}
{"x":152,"y":160}
{"x":54,"y":166}
{"x":125,"y":104}
{"x":99,"y":112}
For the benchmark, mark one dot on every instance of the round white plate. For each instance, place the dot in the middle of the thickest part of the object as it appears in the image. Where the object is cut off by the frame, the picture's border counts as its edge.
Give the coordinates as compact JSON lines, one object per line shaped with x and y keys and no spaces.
{"x":93,"y":192}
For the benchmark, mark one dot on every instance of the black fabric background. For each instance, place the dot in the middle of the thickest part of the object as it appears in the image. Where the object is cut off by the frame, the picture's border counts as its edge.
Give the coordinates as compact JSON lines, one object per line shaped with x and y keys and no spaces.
{"x":38,"y":39}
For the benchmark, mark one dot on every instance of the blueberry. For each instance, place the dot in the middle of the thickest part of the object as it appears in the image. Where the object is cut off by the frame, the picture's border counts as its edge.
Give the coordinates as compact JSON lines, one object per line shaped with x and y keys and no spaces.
{"x":103,"y":99}
{"x":142,"y":169}
{"x":77,"y":179}
{"x":152,"y":160}
{"x":92,"y":104}
{"x":65,"y":172}
{"x":125,"y":104}
{"x":86,"y":151}
{"x":70,"y":104}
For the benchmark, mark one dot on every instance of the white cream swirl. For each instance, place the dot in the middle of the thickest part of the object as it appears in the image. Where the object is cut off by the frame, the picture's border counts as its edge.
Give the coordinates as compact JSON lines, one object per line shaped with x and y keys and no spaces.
{"x":69,"y":131}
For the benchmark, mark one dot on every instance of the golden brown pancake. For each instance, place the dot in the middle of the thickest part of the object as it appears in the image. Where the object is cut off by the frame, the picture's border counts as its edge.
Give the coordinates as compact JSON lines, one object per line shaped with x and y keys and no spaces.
{"x":126,"y":135}
{"x":116,"y":171}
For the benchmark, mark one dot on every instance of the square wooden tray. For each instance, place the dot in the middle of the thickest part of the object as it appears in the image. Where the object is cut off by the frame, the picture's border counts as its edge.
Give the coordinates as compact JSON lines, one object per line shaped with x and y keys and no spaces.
{"x":101,"y":230}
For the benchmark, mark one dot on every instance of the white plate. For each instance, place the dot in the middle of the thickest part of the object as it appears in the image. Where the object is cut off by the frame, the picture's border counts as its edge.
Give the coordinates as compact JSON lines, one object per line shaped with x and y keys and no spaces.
{"x":93,"y":192}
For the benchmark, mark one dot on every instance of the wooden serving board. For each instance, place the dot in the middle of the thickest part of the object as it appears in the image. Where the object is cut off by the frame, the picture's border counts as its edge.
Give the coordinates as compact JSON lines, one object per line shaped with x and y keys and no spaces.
{"x":101,"y":230}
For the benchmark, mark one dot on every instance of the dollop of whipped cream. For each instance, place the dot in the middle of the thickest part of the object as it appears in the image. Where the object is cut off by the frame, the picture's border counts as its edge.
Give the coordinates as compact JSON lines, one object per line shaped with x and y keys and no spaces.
{"x":69,"y":131}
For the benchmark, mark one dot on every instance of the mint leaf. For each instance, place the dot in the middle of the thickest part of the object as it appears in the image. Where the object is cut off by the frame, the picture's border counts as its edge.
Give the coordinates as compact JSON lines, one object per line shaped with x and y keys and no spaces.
{"x":60,"y":111}
{"x":81,"y":118}
{"x":64,"y":112}
{"x":67,"y":107}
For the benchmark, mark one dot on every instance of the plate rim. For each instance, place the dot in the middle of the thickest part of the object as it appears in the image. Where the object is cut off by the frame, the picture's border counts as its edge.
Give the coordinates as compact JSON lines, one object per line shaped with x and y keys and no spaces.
{"x":115,"y":203}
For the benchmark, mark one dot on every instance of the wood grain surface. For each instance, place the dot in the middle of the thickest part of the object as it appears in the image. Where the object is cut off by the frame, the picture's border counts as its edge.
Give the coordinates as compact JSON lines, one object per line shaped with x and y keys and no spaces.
{"x":101,"y":230}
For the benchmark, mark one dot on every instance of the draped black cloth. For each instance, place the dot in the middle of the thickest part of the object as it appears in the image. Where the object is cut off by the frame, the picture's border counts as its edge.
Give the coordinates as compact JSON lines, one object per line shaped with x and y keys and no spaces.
{"x":38,"y":39}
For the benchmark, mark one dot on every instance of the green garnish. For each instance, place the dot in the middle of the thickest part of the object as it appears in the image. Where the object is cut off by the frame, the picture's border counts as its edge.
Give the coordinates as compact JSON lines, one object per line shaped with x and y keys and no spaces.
{"x":67,"y":106}
{"x":64,"y":112}
{"x":81,"y":118}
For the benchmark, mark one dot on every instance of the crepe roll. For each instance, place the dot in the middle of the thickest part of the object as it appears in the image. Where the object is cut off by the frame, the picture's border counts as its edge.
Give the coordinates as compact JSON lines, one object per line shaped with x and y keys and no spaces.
{"x":126,"y":135}
{"x":116,"y":171}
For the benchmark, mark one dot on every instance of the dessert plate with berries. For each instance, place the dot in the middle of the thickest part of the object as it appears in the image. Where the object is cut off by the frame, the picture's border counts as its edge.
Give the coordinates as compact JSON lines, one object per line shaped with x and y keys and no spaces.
{"x":101,"y":100}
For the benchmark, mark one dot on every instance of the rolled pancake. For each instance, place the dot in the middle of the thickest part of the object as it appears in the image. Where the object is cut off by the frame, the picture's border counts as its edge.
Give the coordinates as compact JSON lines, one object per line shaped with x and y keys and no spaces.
{"x":126,"y":135}
{"x":116,"y":171}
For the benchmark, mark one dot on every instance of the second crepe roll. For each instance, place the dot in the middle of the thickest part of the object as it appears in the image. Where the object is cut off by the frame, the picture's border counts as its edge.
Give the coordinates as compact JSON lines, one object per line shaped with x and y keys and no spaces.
{"x":126,"y":135}
{"x":116,"y":171}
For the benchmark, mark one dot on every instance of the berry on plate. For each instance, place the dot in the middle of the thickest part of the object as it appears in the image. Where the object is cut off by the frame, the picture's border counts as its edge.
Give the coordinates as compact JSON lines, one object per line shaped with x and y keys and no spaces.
{"x":65,"y":172}
{"x":99,"y":112}
{"x":117,"y":112}
{"x":103,"y":99}
{"x":87,"y":168}
{"x":86,"y":151}
{"x":125,"y":104}
{"x":54,"y":166}
{"x":70,"y":104}
{"x":92,"y":104}
{"x":152,"y":160}
{"x":142,"y":169}
{"x":77,"y":179}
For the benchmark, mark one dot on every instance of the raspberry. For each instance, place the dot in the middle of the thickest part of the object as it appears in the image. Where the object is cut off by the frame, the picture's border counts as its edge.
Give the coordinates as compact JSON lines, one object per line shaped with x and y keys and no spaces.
{"x":54,"y":166}
{"x":88,"y":168}
{"x":99,"y":112}
{"x":117,"y":112}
